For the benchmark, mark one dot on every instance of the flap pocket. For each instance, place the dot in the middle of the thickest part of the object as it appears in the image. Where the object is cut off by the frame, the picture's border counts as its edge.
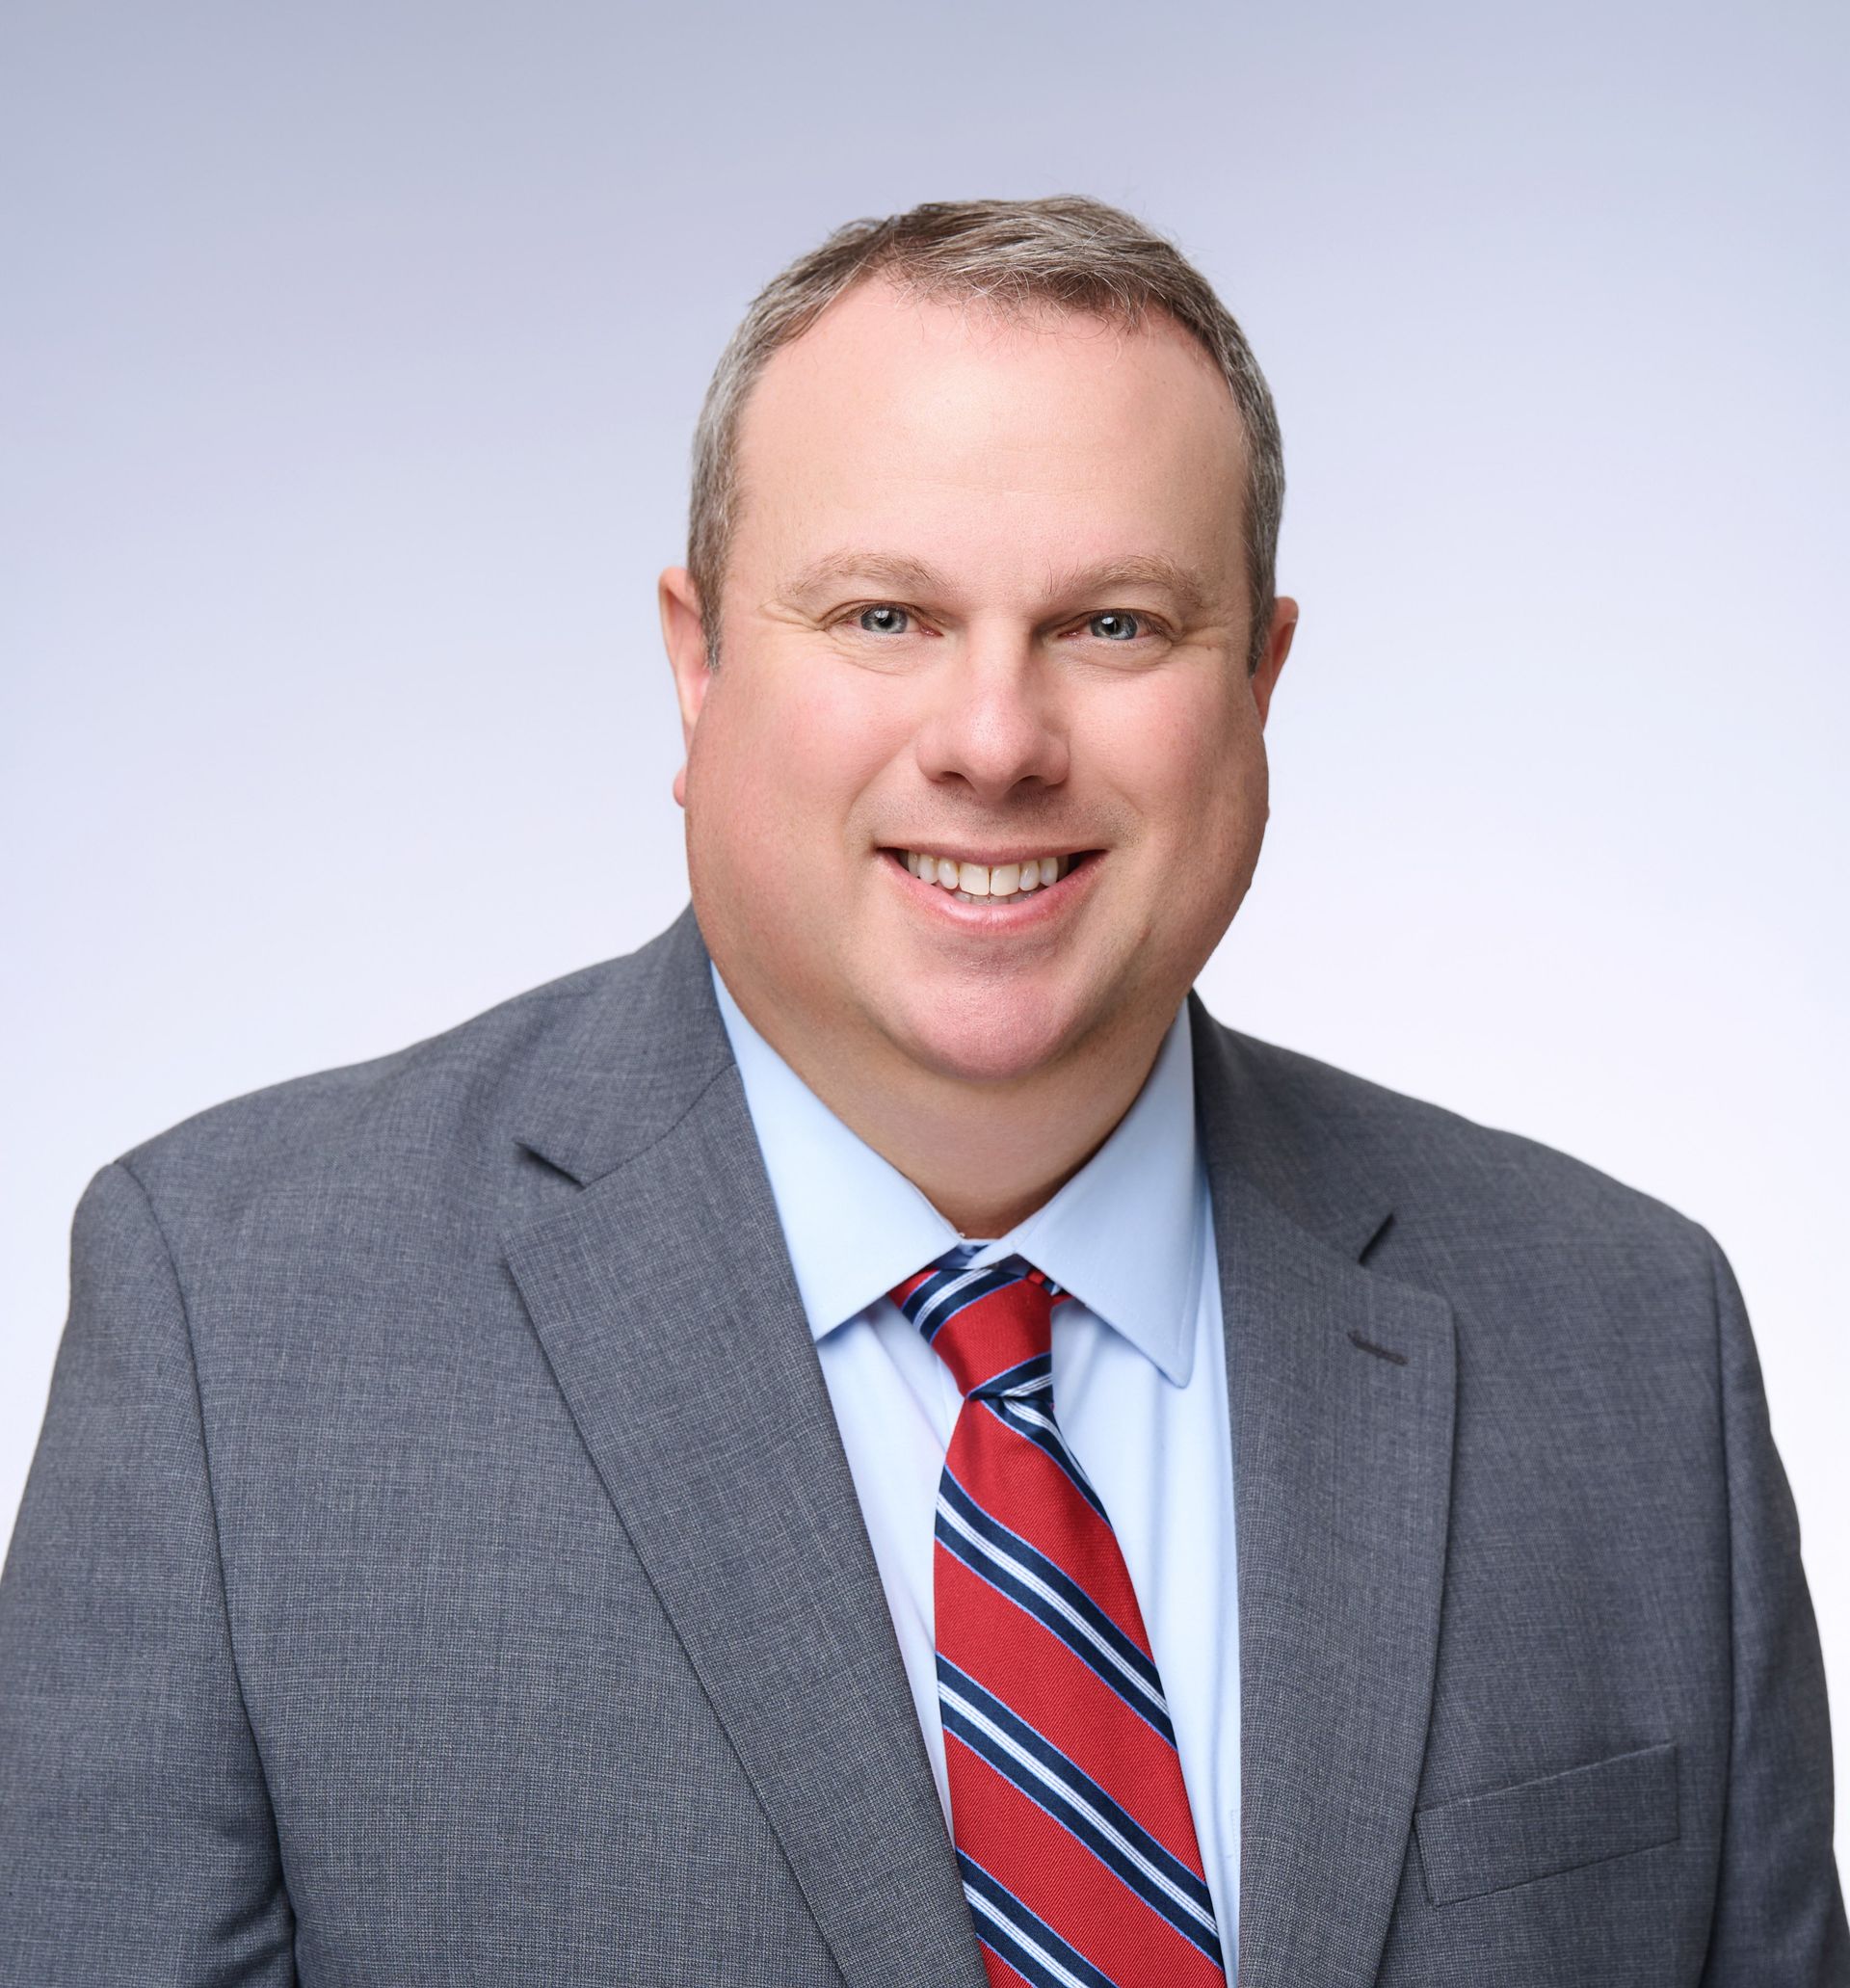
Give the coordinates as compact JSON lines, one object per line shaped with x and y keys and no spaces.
{"x":1487,"y":1842}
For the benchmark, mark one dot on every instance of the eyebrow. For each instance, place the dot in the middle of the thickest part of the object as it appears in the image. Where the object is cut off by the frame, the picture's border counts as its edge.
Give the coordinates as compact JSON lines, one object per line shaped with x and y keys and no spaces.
{"x":908,"y":576}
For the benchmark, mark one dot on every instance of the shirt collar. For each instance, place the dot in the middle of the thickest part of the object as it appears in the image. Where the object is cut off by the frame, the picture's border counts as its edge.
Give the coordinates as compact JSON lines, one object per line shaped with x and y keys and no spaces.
{"x":1124,"y":1234}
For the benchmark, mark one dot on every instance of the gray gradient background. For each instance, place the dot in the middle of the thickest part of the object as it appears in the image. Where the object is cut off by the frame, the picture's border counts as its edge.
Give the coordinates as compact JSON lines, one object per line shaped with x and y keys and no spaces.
{"x":349,"y":358}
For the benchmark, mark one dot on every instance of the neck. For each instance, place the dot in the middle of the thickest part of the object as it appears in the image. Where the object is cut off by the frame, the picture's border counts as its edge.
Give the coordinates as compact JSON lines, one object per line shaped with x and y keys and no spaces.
{"x":984,"y":1153}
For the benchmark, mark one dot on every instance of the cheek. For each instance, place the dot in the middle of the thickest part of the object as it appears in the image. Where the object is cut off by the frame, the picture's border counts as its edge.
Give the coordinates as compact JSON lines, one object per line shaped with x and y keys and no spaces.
{"x":786,"y":744}
{"x":1186,"y":753}
{"x":1188,"y":764}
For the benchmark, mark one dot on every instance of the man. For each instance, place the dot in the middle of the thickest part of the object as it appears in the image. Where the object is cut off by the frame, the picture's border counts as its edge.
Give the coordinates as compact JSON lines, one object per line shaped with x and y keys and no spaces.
{"x":872,"y":1440}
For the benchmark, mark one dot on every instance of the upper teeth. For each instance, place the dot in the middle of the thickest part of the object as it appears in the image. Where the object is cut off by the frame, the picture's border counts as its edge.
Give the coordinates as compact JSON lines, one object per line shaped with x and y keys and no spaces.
{"x":975,"y":879}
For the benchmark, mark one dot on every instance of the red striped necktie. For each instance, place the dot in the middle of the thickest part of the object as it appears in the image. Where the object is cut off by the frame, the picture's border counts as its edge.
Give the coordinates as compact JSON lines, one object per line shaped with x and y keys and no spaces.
{"x":1068,"y":1809}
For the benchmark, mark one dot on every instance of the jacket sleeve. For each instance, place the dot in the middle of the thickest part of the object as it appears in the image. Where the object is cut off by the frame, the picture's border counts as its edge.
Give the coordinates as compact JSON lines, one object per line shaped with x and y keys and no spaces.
{"x":1779,"y":1920}
{"x":137,"y":1841}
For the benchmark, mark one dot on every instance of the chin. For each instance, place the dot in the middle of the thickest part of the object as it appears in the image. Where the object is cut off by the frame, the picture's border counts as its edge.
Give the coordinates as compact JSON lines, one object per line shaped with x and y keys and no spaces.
{"x":992,"y":1035}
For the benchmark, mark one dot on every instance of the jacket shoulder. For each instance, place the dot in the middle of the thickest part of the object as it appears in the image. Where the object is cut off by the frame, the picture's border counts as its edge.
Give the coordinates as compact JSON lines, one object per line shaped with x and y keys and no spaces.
{"x":1450,"y":1174}
{"x":430,"y":1103}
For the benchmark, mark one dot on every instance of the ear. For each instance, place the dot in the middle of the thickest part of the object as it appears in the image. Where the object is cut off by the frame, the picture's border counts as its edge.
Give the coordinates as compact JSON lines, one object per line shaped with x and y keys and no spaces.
{"x":684,"y":635}
{"x":1277,"y":646}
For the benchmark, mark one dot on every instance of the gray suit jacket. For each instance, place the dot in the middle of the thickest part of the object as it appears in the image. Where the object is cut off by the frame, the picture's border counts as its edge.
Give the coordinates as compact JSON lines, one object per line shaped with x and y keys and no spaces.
{"x":440,"y":1564}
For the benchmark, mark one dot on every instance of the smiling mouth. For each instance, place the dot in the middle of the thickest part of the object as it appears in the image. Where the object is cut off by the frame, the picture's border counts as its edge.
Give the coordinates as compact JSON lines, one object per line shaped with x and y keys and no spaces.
{"x":981,"y":883}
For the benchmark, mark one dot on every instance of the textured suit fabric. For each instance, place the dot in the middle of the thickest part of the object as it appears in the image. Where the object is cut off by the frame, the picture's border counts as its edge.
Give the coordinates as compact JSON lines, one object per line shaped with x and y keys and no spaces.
{"x":408,"y":1587}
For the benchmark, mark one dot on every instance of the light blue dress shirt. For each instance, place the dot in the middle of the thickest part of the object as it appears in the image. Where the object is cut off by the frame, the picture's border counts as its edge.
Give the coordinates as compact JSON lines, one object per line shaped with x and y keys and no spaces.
{"x":1139,"y":1383}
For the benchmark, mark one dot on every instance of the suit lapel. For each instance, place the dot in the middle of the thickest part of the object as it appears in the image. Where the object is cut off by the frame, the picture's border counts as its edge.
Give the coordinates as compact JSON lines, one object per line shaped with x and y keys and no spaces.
{"x":664,"y":1301}
{"x":1341,"y":1384}
{"x":664,"y":1298}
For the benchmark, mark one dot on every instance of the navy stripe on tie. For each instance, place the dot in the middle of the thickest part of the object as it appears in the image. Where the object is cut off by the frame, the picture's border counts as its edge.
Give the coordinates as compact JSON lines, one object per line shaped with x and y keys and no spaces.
{"x":1053,"y":1598}
{"x":1021,"y":1938}
{"x":1033,"y":1375}
{"x":1062,"y":1790}
{"x":943,"y":1297}
{"x":1028,"y":1417}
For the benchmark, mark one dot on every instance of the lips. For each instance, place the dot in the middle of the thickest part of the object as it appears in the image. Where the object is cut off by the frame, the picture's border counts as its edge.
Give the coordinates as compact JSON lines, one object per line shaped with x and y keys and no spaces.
{"x":980,"y":881}
{"x":1014,"y":883}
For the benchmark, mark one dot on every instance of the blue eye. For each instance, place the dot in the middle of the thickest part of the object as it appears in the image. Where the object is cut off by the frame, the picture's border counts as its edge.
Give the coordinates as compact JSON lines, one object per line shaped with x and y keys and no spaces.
{"x":885,"y":620}
{"x":1115,"y":627}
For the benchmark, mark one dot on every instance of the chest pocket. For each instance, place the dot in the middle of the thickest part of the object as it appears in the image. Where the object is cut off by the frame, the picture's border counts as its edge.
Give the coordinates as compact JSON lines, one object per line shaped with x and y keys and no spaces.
{"x":1511,"y":1836}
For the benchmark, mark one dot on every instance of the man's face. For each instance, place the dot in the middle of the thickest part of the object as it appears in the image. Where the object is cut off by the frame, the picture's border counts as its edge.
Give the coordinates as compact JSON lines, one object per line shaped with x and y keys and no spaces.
{"x":985,"y":603}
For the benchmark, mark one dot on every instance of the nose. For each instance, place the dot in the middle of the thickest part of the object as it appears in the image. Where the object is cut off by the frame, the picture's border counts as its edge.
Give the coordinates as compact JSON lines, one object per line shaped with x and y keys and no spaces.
{"x":993,"y":724}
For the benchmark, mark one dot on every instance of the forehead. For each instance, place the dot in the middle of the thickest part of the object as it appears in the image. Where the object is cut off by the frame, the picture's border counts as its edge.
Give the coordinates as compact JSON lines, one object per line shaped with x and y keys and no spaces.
{"x":977,"y":437}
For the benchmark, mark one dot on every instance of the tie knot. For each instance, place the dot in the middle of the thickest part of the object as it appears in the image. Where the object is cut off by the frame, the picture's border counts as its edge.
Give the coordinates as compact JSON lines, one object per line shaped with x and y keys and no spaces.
{"x":993,"y":1328}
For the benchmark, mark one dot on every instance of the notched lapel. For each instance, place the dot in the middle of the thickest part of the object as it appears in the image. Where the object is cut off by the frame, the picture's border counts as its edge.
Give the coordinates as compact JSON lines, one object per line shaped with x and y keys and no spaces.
{"x":664,"y":1301}
{"x":1342,"y":1386}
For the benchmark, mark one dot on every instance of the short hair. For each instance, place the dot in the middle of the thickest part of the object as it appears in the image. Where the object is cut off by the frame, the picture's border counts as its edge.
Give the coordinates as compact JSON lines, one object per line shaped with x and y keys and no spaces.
{"x":1065,"y":253}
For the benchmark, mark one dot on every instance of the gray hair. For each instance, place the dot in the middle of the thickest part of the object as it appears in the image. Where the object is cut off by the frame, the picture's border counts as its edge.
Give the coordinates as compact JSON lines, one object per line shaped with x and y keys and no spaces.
{"x":1065,"y":253}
